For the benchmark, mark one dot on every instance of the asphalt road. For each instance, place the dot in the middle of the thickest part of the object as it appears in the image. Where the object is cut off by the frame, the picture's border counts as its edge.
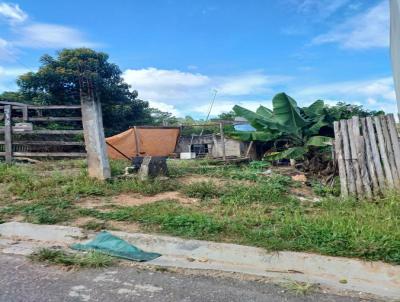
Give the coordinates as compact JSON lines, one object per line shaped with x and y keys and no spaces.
{"x":22,"y":281}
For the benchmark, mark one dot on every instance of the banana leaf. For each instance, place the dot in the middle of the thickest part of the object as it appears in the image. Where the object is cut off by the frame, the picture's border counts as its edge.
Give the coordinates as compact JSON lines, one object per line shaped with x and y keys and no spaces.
{"x":314,"y":129}
{"x":319,"y":141}
{"x":265,"y":112}
{"x":248,"y":136}
{"x":291,"y":153}
{"x":286,"y":112}
{"x":258,"y":121}
{"x":314,"y":110}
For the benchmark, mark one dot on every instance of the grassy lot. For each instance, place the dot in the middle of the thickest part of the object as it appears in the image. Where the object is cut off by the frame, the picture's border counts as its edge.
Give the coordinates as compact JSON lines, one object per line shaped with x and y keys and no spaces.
{"x":232,"y":204}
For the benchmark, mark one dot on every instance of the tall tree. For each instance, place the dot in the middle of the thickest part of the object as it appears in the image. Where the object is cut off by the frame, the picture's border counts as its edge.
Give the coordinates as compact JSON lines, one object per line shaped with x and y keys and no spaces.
{"x":57,"y":82}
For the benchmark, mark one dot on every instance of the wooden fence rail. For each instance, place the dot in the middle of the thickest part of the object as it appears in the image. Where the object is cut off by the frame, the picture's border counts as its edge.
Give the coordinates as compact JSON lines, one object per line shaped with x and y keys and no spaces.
{"x":367,"y":151}
{"x":18,"y":112}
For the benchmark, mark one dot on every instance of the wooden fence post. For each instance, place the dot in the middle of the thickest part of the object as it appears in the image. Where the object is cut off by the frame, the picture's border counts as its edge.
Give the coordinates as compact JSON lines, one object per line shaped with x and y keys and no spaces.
{"x":221,"y":129}
{"x":339,"y":156}
{"x":8,"y":133}
{"x":347,"y":158}
{"x":382,"y":150}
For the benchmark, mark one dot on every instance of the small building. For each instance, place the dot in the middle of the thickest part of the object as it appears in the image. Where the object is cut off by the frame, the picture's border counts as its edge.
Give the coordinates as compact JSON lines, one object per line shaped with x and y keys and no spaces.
{"x":210,"y":145}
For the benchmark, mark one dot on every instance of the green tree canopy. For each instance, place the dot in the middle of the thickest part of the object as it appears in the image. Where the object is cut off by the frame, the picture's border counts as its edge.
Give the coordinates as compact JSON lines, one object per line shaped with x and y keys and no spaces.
{"x":57,"y":82}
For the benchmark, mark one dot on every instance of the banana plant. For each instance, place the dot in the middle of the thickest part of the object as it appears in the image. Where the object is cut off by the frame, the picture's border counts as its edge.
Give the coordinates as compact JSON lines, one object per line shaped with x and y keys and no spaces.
{"x":286,"y":121}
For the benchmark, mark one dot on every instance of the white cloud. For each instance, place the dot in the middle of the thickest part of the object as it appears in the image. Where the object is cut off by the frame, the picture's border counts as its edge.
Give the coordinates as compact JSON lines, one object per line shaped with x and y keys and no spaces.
{"x":8,"y":77}
{"x":366,"y":30}
{"x":319,"y":9}
{"x":12,"y":13}
{"x":374,"y":94}
{"x":248,"y":83}
{"x":41,"y":35}
{"x":28,"y":34}
{"x":166,"y":86}
{"x":226,"y":106}
{"x":7,"y":52}
{"x":166,"y":108}
{"x":191,"y":92}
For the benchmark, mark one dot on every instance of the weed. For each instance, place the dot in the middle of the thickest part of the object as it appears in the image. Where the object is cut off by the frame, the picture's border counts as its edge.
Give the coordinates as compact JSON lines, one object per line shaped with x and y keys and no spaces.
{"x":92,"y":259}
{"x":47,"y":212}
{"x":202,"y":189}
{"x":300,"y":288}
{"x":94,"y":225}
{"x":324,"y":190}
{"x":270,"y":190}
{"x":118,"y":166}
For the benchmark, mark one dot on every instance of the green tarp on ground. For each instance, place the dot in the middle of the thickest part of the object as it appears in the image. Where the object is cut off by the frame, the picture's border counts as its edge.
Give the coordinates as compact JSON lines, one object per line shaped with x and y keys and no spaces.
{"x":112,"y":245}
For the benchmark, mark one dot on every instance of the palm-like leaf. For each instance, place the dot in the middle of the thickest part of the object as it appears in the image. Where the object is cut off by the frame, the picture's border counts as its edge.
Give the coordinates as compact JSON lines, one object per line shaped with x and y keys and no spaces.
{"x":319,"y":141}
{"x":291,"y":153}
{"x":287,"y":113}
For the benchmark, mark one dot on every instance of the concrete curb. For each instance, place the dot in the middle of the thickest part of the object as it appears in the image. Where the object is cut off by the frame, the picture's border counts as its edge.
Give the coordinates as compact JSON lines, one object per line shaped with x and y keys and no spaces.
{"x":375,"y":278}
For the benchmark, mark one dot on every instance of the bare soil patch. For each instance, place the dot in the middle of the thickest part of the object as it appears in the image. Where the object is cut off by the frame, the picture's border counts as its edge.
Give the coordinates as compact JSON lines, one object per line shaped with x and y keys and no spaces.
{"x":129,"y":200}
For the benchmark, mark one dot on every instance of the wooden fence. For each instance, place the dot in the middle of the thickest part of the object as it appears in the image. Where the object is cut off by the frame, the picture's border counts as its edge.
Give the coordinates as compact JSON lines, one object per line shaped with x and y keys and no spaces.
{"x":367,"y":151}
{"x":18,"y":122}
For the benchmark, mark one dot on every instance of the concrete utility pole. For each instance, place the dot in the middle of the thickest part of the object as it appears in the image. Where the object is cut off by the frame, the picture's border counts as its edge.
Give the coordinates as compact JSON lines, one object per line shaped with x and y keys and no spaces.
{"x":92,"y":120}
{"x":395,"y":46}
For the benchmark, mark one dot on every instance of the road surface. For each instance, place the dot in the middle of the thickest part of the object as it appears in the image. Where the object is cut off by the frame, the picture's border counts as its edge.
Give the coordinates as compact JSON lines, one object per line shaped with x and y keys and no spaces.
{"x":23,"y":281}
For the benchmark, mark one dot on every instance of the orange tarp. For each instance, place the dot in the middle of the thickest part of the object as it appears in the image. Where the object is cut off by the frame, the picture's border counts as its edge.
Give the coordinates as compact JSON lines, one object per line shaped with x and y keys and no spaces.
{"x":152,"y":142}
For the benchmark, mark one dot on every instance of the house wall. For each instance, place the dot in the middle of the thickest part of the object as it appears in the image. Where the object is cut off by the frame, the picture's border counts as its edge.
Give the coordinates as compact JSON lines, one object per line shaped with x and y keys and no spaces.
{"x":233,"y":147}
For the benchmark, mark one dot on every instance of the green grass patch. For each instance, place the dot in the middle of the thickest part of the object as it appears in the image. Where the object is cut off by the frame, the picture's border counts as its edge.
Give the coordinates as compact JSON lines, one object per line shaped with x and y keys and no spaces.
{"x":258,"y":212}
{"x":203,"y":190}
{"x":92,"y":259}
{"x":270,"y":190}
{"x":166,"y":216}
{"x":49,"y":211}
{"x":25,"y":182}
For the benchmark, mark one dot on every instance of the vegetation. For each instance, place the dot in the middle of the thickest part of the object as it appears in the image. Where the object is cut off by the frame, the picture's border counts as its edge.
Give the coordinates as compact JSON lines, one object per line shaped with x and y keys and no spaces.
{"x":91,"y":259}
{"x":236,"y":204}
{"x":295,"y":131}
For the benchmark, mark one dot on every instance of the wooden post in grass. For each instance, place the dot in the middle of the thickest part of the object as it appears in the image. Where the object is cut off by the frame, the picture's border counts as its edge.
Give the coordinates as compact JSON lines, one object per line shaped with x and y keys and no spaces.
{"x":221,"y":130}
{"x":8,"y":133}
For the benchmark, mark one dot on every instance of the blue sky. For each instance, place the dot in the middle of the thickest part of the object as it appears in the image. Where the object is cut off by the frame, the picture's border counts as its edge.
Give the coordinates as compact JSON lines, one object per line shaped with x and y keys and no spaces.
{"x":176,"y":52}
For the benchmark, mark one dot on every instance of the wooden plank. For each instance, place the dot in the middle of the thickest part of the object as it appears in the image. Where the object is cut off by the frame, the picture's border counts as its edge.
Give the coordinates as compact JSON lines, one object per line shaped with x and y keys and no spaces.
{"x":8,"y":134}
{"x":382,"y":152}
{"x":354,"y":158}
{"x":25,"y":113}
{"x":249,"y":149}
{"x":54,"y":107}
{"x":361,"y":156}
{"x":221,"y":130}
{"x":375,"y":153}
{"x":47,"y":154}
{"x":340,"y":159}
{"x":394,"y":137}
{"x":14,"y":104}
{"x":369,"y":158}
{"x":48,"y":143}
{"x":55,"y":119}
{"x":389,"y":150}
{"x":347,"y":158}
{"x":49,"y":132}
{"x":20,"y":106}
